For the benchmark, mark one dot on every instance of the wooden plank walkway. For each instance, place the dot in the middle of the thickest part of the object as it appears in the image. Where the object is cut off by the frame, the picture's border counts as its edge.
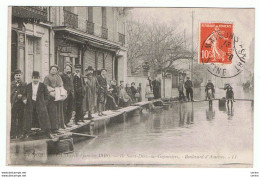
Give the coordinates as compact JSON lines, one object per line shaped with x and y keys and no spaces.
{"x":72,"y":127}
{"x":110,"y":114}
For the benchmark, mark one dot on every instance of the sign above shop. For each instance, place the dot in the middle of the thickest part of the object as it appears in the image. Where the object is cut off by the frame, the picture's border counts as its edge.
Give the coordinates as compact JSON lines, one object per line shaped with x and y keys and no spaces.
{"x":65,"y":49}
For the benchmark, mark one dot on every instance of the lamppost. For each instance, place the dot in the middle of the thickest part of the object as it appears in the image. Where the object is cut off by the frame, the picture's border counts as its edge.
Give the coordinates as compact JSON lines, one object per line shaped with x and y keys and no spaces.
{"x":146,"y":67}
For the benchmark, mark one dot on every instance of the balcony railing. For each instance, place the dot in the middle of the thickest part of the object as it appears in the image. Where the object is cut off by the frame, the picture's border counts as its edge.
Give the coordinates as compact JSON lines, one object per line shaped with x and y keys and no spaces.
{"x":70,"y":19}
{"x":104,"y":32}
{"x":121,"y":38}
{"x":30,"y":13}
{"x":90,"y":27}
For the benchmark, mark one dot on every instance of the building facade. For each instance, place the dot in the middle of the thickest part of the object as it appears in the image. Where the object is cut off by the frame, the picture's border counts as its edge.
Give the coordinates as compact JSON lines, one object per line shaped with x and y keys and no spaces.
{"x":90,"y":36}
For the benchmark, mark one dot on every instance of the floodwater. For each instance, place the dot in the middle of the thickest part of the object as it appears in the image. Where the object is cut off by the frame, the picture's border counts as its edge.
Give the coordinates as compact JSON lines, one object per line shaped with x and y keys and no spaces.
{"x":180,"y":133}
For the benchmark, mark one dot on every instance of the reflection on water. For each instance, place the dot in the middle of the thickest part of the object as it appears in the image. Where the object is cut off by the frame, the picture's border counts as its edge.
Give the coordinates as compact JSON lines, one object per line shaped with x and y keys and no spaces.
{"x":210,"y":113}
{"x":185,"y":127}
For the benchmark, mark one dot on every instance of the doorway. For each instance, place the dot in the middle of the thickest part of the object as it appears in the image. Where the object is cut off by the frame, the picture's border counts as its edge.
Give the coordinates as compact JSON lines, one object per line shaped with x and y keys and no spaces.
{"x":13,"y":53}
{"x":33,"y":59}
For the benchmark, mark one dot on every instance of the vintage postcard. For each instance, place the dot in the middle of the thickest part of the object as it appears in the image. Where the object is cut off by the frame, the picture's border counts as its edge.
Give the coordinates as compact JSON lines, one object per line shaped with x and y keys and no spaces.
{"x":130,"y":86}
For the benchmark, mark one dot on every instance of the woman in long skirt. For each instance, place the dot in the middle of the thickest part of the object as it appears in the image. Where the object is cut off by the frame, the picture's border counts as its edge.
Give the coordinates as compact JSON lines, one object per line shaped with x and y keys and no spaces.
{"x":55,"y":108}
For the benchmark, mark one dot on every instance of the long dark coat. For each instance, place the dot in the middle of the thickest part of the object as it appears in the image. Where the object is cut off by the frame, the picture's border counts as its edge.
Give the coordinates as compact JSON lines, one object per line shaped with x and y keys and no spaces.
{"x":102,"y":91}
{"x":41,"y":108}
{"x":91,"y":92}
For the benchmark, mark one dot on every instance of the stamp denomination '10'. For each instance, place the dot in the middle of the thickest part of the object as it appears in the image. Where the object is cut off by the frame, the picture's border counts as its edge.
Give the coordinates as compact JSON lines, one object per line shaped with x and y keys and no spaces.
{"x":216,"y":42}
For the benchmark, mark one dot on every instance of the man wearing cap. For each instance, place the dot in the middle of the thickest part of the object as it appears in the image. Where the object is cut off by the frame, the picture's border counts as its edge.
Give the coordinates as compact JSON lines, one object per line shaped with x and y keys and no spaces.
{"x":102,"y":93}
{"x":68,"y":104}
{"x":189,"y":91}
{"x":79,"y":91}
{"x":17,"y":106}
{"x":36,"y":98}
{"x":91,"y":91}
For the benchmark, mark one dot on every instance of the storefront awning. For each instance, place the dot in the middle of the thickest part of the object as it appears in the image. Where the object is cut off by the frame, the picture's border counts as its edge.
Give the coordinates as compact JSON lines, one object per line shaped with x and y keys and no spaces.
{"x":89,"y":39}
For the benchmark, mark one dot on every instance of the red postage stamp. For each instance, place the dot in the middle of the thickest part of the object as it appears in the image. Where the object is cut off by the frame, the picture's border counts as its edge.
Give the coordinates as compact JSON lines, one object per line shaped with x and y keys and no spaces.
{"x":216,"y":43}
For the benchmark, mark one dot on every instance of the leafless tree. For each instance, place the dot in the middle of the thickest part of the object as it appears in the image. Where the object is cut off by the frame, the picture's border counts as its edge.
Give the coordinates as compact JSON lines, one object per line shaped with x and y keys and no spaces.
{"x":158,"y":44}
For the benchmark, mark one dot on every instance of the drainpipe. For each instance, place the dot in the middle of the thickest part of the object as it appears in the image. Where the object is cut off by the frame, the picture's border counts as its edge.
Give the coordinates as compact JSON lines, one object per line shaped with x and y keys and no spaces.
{"x":163,"y":84}
{"x":49,"y":37}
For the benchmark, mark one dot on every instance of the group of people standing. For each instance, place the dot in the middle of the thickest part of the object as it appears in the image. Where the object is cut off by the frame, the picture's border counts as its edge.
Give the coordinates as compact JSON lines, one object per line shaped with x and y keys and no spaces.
{"x":188,"y":85}
{"x":51,"y":104}
{"x":209,"y":91}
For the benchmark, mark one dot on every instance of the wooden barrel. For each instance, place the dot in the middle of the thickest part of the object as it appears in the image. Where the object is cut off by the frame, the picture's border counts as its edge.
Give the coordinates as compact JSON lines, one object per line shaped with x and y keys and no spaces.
{"x":222,"y":102}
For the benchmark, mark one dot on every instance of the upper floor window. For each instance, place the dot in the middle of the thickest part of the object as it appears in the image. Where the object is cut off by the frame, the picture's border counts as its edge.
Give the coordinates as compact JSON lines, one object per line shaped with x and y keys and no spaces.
{"x":104,"y":17}
{"x":90,"y":14}
{"x":68,"y":8}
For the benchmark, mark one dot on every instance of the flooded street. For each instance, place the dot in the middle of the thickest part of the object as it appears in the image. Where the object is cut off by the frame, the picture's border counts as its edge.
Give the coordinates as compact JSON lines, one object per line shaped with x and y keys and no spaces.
{"x":185,"y":129}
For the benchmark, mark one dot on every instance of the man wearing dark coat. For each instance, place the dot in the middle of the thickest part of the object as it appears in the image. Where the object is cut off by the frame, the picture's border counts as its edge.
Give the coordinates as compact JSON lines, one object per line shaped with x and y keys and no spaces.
{"x":102,"y":93}
{"x":68,"y":103}
{"x":35,"y":99}
{"x":79,"y":91}
{"x":91,"y":91}
{"x":189,"y":91}
{"x":156,"y":88}
{"x":134,"y":91}
{"x":17,"y":106}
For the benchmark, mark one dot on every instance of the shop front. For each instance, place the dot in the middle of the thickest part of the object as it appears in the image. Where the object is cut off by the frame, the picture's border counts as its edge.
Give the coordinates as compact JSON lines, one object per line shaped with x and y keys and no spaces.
{"x":30,"y":44}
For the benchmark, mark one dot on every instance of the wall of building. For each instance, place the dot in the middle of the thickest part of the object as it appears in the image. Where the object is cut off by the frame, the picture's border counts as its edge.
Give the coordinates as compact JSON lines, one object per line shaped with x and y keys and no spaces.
{"x":115,"y":20}
{"x":122,"y":66}
{"x":97,"y":19}
{"x":47,"y":43}
{"x":82,"y":17}
{"x":34,"y":50}
{"x":166,"y":86}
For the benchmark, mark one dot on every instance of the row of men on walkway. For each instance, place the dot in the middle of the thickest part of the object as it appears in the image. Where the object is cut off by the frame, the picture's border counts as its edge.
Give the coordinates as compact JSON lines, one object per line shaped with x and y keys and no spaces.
{"x":209,"y":91}
{"x":36,"y":105}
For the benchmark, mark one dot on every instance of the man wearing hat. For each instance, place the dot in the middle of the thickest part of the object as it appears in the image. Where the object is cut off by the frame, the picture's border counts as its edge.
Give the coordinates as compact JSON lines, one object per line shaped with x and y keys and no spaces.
{"x":91,"y":91}
{"x":17,"y":106}
{"x":102,"y":93}
{"x":79,"y":91}
{"x":68,"y":104}
{"x":189,"y":91}
{"x":36,"y":98}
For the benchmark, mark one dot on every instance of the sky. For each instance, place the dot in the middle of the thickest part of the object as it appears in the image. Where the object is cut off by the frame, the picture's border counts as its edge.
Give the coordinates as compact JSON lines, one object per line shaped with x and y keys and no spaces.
{"x":181,"y":18}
